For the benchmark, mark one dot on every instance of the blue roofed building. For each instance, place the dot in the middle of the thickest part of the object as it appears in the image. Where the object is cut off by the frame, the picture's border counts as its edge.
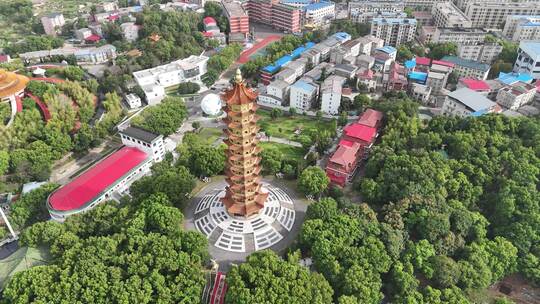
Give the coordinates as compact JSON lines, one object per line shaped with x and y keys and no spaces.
{"x":522,"y":27}
{"x":511,"y":78}
{"x":268,"y":71}
{"x":528,"y":60}
{"x":319,"y":13}
{"x":303,"y":94}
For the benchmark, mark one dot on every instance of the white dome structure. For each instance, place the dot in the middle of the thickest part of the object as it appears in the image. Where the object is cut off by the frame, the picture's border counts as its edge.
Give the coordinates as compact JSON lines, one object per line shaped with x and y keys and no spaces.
{"x":211,"y":104}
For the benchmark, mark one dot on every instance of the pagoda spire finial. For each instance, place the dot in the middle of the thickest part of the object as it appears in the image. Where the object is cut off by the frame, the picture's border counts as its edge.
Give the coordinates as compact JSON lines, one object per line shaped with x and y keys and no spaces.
{"x":238,"y":78}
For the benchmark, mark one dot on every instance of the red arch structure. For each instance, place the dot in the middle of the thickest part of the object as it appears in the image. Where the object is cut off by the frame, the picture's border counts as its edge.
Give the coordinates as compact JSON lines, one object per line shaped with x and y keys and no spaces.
{"x":41,"y":105}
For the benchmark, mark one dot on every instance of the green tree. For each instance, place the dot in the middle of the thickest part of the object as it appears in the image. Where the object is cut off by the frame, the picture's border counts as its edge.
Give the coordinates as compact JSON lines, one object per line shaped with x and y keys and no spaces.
{"x":4,"y":161}
{"x":439,"y":50}
{"x":278,"y":281}
{"x":164,"y":118}
{"x":313,"y":181}
{"x":271,"y":160}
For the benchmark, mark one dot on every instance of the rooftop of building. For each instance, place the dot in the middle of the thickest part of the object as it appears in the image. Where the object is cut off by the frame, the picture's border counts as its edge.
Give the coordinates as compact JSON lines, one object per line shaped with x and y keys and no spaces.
{"x":11,"y":83}
{"x":422,"y":14}
{"x":471,"y":99}
{"x":402,"y":21}
{"x":470,"y":30}
{"x":467,"y":63}
{"x":370,"y":118}
{"x":349,"y":68}
{"x":209,"y":20}
{"x":280,"y":84}
{"x":519,"y":88}
{"x":272,"y":68}
{"x":387,"y":49}
{"x":451,"y":11}
{"x":418,"y":76}
{"x":304,"y":85}
{"x":345,"y":155}
{"x":96,"y":180}
{"x":532,"y":48}
{"x":435,"y":75}
{"x":475,"y":84}
{"x":359,"y":131}
{"x":234,"y":8}
{"x":333,"y":83}
{"x":140,"y":134}
{"x":318,"y":5}
{"x":510,"y":78}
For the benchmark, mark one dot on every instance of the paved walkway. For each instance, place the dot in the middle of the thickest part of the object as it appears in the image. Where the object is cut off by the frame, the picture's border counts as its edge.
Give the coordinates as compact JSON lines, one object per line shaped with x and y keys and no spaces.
{"x":280,"y":140}
{"x":226,"y":258}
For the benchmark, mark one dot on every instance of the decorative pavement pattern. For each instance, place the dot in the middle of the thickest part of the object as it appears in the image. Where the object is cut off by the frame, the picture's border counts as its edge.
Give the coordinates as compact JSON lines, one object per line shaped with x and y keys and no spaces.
{"x":245,"y":235}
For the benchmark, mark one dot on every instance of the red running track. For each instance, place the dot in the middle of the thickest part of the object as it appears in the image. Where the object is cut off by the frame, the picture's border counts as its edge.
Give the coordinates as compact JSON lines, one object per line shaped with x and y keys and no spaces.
{"x":47,"y":79}
{"x":244,"y":57}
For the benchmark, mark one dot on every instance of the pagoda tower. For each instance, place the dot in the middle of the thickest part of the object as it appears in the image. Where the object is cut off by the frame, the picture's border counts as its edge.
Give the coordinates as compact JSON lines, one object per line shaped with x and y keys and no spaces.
{"x":244,"y":195}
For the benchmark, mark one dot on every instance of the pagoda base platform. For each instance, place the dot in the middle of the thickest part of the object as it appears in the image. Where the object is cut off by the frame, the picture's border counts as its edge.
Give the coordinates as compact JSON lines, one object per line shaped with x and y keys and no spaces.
{"x":233,"y":238}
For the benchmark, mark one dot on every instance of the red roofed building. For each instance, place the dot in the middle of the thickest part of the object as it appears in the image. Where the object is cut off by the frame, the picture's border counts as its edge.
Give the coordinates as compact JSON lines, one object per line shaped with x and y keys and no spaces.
{"x":397,"y":78}
{"x":342,"y":165}
{"x":423,"y":63}
{"x":93,"y":38}
{"x":371,"y":118}
{"x":97,"y":184}
{"x":361,"y":134}
{"x":477,"y":85}
{"x":209,"y":21}
{"x":442,"y":62}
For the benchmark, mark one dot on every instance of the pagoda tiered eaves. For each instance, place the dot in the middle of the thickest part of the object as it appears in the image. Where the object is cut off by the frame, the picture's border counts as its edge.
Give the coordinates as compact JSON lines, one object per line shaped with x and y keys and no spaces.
{"x":244,"y":195}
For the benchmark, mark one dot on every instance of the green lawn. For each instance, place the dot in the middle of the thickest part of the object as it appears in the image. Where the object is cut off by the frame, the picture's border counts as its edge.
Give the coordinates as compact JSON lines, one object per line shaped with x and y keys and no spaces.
{"x":209,"y":135}
{"x":285,"y":126}
{"x":290,"y":152}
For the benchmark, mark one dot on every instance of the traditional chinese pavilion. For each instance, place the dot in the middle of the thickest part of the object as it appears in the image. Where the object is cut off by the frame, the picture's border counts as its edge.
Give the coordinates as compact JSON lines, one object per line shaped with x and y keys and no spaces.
{"x":245,"y":195}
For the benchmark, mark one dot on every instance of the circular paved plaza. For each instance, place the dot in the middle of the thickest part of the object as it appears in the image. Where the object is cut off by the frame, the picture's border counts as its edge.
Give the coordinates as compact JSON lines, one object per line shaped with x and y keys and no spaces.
{"x":232,"y":238}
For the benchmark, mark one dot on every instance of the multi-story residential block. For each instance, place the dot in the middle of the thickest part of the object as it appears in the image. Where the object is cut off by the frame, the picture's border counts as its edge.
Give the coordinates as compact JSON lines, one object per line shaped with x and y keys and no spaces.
{"x":52,"y":23}
{"x":302,"y":95}
{"x":394,"y":31}
{"x":347,"y":71}
{"x":447,"y":14}
{"x":287,"y":75}
{"x":153,"y":81}
{"x":130,"y":31}
{"x":516,"y":95}
{"x":423,"y":4}
{"x":318,"y":14}
{"x":522,"y":27}
{"x":368,"y":44}
{"x":365,"y":62}
{"x":528,"y":60}
{"x":436,"y":81}
{"x":367,"y":78}
{"x":486,"y":52}
{"x":466,"y":102}
{"x":468,"y":68}
{"x":331,"y":94}
{"x":237,"y":16}
{"x":469,"y":36}
{"x":277,"y":93}
{"x":361,"y":11}
{"x":423,"y":18}
{"x":493,"y":14}
{"x":420,"y":92}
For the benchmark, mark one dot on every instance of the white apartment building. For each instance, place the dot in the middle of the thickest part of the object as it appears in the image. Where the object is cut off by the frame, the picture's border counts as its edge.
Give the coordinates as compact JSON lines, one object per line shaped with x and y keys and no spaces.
{"x":493,"y":14}
{"x":446,"y":14}
{"x":130,"y":31}
{"x":368,"y":44}
{"x":361,"y":11}
{"x":318,"y":14}
{"x":528,"y":60}
{"x":394,"y":31}
{"x":469,"y":36}
{"x":514,"y":96}
{"x":486,"y":53}
{"x":297,"y":66}
{"x":52,"y":23}
{"x":302,"y":95}
{"x":277,"y":93}
{"x":154,"y":81}
{"x":466,"y":102}
{"x":521,"y":27}
{"x":331,"y":94}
